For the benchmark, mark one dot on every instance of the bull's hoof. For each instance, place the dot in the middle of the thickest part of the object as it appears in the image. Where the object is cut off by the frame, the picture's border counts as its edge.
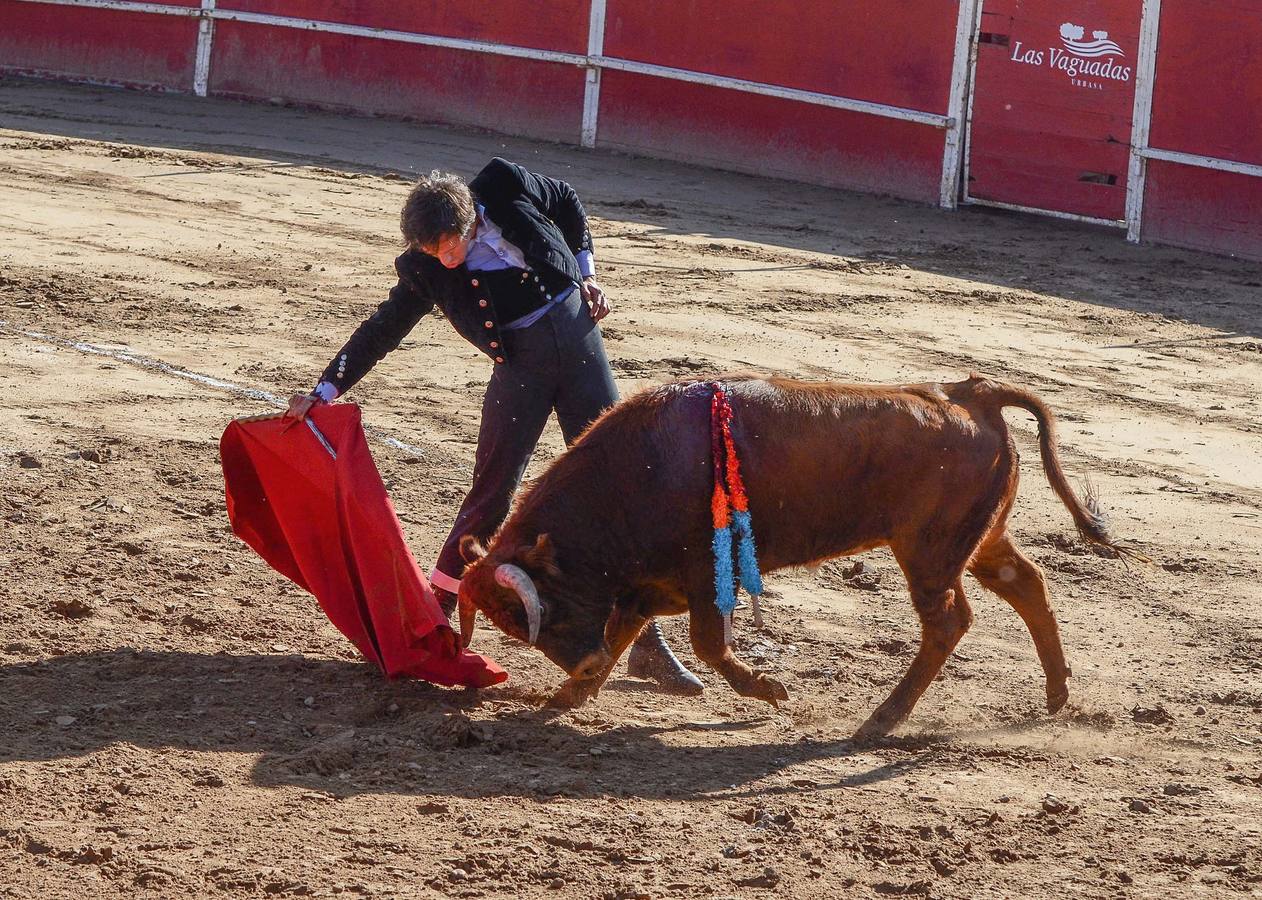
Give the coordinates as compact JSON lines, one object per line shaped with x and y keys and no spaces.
{"x":876,"y":727}
{"x":573,"y":694}
{"x":1057,"y":698}
{"x":771,"y":690}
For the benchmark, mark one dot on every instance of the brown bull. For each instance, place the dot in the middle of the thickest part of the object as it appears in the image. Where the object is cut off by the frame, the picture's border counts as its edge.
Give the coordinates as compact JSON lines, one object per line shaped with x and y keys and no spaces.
{"x":618,"y":529}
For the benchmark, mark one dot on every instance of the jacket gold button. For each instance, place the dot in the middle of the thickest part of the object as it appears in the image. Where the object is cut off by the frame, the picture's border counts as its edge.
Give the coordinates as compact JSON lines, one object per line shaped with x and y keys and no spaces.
{"x":494,"y":344}
{"x":474,"y":282}
{"x":482,"y":303}
{"x":490,"y":324}
{"x":499,"y":359}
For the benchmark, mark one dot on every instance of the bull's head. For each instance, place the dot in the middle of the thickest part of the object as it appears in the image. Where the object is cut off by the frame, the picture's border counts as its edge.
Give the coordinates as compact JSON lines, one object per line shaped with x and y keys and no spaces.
{"x":522,"y":591}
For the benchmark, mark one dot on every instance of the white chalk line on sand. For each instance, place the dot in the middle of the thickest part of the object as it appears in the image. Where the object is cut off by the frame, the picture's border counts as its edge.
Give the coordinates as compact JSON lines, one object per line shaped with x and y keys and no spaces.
{"x":157,"y":365}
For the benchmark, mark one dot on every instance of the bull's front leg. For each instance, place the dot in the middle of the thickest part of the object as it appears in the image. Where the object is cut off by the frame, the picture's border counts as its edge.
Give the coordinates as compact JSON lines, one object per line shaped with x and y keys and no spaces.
{"x":621,"y":630}
{"x":706,"y":629}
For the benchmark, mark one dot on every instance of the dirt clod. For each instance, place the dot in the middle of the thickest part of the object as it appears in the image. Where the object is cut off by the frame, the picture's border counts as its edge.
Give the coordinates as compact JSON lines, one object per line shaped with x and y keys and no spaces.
{"x":1053,"y":805}
{"x":72,"y":608}
{"x":1151,"y":715}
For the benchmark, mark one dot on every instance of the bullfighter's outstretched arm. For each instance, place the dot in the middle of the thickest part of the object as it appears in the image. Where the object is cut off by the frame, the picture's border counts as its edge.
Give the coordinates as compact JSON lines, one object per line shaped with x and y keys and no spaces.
{"x":377,"y":335}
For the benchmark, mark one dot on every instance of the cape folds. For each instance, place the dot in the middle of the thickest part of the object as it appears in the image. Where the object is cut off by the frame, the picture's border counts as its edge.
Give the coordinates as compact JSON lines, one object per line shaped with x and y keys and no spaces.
{"x":311,"y":502}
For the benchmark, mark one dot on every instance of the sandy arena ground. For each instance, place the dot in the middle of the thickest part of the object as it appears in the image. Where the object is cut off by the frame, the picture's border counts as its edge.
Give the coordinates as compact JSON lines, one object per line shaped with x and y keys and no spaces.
{"x":176,"y":720}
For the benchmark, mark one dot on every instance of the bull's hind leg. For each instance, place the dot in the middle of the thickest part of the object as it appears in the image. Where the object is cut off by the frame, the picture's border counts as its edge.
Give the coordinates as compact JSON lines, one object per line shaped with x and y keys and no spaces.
{"x":944,"y":617}
{"x":1006,"y":571}
{"x":705,"y":626}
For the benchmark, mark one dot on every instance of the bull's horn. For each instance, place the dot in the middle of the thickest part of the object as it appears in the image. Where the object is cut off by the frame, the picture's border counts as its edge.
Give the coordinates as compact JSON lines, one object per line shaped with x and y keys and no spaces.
{"x":510,"y":576}
{"x":468,"y":612}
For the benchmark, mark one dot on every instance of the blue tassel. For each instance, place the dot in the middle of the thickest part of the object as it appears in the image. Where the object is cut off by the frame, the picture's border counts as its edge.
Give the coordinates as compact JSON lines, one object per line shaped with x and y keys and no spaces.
{"x":751,"y":578}
{"x":724,"y":578}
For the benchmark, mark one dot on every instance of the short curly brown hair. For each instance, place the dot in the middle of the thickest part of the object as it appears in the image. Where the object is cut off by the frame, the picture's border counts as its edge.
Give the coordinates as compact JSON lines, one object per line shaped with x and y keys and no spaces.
{"x":439,"y":205}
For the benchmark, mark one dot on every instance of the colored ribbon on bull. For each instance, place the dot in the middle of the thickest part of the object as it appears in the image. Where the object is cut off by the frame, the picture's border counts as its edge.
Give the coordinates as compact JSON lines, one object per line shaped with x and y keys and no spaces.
{"x":729,"y":509}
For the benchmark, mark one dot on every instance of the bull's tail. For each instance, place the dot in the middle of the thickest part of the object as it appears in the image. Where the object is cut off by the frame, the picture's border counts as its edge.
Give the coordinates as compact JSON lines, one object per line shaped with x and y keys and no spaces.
{"x":1089,"y":516}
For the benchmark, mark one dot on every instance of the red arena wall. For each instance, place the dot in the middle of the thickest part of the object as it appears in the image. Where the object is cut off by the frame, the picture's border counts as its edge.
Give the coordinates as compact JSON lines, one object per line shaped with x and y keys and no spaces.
{"x":524,"y":97}
{"x":898,"y":55}
{"x":519,"y":96}
{"x":769,"y":136}
{"x":514,"y":22}
{"x":939,"y":101}
{"x":1206,"y":102}
{"x":100,"y":45}
{"x":1203,"y":209}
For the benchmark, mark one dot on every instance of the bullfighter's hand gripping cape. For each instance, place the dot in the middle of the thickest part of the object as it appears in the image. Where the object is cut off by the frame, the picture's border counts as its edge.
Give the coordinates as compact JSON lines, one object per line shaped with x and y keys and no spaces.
{"x":309,"y":500}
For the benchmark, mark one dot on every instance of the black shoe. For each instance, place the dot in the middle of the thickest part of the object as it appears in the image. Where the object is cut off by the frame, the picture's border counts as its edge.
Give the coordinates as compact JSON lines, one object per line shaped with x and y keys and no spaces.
{"x":651,"y":658}
{"x":446,"y":602}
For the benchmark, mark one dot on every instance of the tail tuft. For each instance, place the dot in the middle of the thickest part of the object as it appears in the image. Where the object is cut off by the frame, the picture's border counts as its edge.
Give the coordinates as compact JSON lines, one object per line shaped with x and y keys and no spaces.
{"x":1098,"y":518}
{"x":1099,"y":535}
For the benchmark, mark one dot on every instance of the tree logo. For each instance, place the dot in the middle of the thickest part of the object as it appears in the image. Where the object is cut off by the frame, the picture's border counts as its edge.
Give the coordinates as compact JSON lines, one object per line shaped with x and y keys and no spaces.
{"x":1072,"y":35}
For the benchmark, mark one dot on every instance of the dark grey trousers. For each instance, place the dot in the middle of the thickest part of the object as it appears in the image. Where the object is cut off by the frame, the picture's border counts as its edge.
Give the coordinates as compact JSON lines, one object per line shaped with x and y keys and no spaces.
{"x":558,"y":363}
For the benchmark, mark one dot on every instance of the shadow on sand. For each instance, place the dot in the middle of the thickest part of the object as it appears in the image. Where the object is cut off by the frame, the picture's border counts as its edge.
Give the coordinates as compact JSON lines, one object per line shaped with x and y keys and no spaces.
{"x":338,"y":727}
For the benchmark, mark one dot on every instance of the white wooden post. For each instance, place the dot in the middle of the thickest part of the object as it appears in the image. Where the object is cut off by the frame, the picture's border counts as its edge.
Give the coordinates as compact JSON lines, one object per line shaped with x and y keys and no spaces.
{"x":591,"y":90}
{"x":205,"y":38}
{"x":966,"y":25}
{"x":1141,"y":120}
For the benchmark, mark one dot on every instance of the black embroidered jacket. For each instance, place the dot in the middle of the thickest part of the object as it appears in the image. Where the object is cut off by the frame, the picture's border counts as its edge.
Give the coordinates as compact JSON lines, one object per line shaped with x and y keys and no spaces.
{"x":540,"y":215}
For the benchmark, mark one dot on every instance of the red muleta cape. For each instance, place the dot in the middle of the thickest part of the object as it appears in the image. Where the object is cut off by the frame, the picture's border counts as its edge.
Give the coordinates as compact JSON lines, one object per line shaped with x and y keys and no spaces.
{"x":321,"y":517}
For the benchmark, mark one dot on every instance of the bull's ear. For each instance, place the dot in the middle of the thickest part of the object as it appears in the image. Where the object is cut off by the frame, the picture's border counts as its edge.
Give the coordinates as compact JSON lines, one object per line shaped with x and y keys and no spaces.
{"x":471,"y":549}
{"x":540,"y":556}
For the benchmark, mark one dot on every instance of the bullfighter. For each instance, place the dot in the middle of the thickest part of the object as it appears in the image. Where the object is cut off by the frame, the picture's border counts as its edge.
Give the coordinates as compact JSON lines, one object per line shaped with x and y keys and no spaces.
{"x":508,"y":260}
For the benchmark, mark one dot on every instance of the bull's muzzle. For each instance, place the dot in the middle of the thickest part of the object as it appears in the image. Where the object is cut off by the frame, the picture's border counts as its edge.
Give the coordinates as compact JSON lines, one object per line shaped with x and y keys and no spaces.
{"x":592,"y":665}
{"x":512,"y":577}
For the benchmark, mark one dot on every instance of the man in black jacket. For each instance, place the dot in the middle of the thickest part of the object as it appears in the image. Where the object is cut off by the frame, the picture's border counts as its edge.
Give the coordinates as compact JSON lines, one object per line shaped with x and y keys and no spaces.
{"x":508,"y":259}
